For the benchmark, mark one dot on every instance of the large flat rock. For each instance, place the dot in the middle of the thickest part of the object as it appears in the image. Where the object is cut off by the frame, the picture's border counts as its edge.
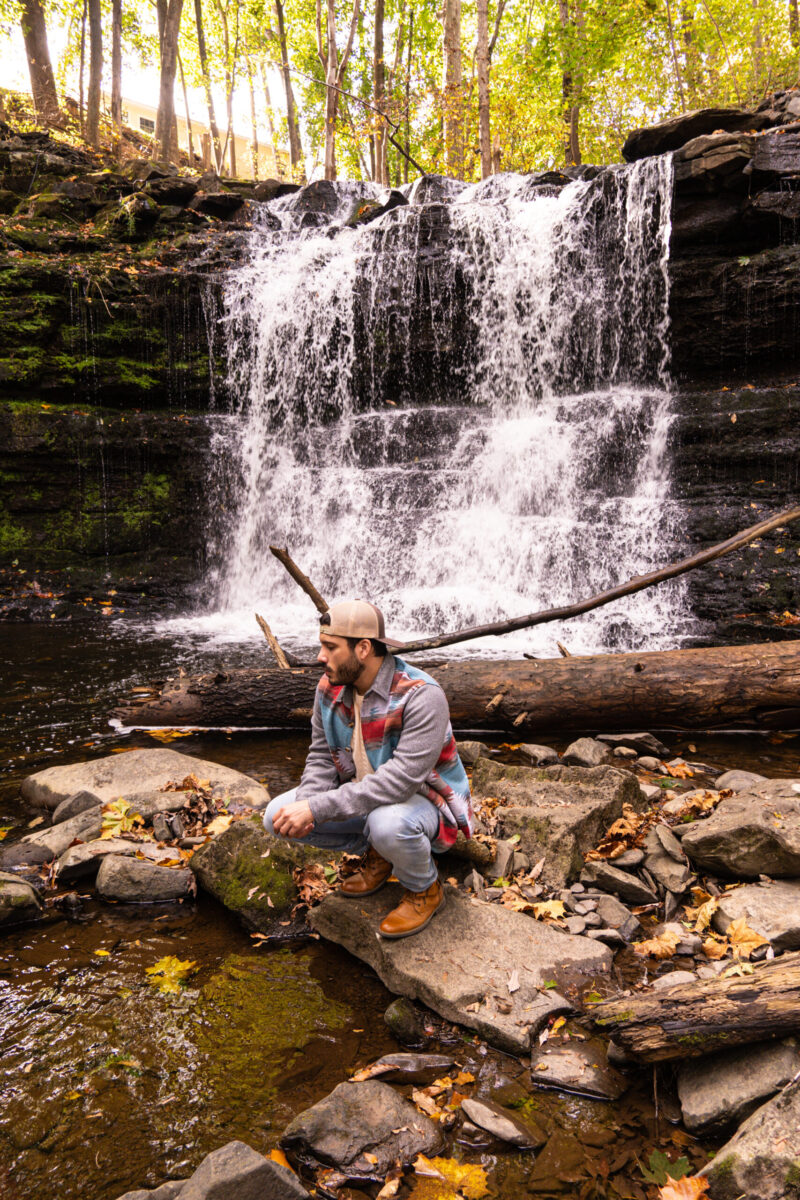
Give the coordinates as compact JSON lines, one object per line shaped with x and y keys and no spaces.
{"x":462,"y":963}
{"x":128,"y":775}
{"x":750,"y":834}
{"x":762,"y":1159}
{"x":771,"y":909}
{"x":719,"y":1091}
{"x":677,"y":131}
{"x":559,"y":812}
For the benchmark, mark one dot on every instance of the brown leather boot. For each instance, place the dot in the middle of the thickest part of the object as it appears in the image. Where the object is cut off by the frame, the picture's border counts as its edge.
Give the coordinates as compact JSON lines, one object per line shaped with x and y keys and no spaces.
{"x":413,"y":912}
{"x":370,"y":876}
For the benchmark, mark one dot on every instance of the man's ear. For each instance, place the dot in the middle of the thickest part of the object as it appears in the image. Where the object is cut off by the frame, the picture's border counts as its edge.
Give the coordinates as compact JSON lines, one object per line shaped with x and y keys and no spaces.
{"x":363,"y":649}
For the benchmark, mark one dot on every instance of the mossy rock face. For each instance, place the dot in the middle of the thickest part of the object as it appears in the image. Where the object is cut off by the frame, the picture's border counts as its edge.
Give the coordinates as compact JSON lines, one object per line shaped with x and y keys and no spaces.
{"x":244,"y":868}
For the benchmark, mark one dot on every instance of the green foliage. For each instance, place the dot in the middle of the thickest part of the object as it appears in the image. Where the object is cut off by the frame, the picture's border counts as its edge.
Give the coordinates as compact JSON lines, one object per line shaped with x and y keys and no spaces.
{"x":661,"y":1170}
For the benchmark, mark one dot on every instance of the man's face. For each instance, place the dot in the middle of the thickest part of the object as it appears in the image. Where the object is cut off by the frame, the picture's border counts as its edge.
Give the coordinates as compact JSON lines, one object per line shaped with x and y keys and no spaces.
{"x":342,"y":665}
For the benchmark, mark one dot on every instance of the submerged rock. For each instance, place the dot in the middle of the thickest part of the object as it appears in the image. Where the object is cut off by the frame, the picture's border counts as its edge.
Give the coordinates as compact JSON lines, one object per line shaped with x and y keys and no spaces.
{"x":502,"y":1124}
{"x":406,"y":1022}
{"x":720,"y":1090}
{"x":462,"y":964}
{"x":559,"y":812}
{"x":137,"y":771}
{"x":771,"y":909}
{"x":20,"y":902}
{"x":753,"y":833}
{"x":360,"y":1119}
{"x":577,"y":1067}
{"x":762,"y":1159}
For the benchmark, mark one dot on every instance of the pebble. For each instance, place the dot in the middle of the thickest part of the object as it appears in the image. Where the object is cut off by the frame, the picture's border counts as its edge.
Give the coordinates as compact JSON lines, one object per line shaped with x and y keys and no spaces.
{"x":650,"y":764}
{"x":575,"y":925}
{"x":624,"y":752}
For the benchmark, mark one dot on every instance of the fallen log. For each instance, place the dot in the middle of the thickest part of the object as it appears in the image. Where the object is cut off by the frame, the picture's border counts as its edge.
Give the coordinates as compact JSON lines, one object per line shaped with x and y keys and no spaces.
{"x":691,"y":1019}
{"x":723,"y":687}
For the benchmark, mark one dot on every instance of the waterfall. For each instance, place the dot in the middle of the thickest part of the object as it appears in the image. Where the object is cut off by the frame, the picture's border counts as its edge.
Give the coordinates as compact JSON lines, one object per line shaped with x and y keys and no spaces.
{"x":460,"y":410}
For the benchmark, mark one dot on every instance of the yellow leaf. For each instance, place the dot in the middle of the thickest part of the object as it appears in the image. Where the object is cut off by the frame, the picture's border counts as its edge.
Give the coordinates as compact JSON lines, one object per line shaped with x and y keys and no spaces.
{"x":743,"y":939}
{"x":279,"y":1157}
{"x":118,"y":817}
{"x":170,"y":972}
{"x":558,"y":1024}
{"x":714,"y":949}
{"x":738,"y":968}
{"x":680,"y":770}
{"x":663,"y":946}
{"x":551,"y":909}
{"x":102,"y":953}
{"x":464,"y":1077}
{"x":218,"y":825}
{"x":169,"y":735}
{"x":371,"y":1158}
{"x":446,"y":1179}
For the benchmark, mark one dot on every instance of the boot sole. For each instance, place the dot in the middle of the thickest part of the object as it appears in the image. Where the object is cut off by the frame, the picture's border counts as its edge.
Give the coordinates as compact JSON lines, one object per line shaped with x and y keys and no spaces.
{"x":370,"y":892}
{"x":392,"y":937}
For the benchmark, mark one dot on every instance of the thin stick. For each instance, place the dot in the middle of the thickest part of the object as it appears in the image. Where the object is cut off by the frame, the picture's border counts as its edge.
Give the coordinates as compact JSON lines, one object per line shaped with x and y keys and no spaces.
{"x":297,"y":575}
{"x":637,"y":584}
{"x":274,"y":644}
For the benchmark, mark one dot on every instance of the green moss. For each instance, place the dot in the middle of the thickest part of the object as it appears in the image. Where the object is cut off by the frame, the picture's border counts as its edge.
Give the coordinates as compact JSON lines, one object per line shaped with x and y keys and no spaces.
{"x":13,"y":537}
{"x":792,"y":1177}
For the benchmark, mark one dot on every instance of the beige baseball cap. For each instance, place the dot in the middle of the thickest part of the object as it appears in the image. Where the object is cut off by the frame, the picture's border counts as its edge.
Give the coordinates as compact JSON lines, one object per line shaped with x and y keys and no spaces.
{"x":357,"y":619}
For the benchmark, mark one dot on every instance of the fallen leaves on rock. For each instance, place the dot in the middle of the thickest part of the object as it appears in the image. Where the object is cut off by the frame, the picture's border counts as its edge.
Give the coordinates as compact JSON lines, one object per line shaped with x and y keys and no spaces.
{"x":548,"y":910}
{"x":119,"y":817}
{"x":663,"y":946}
{"x":169,"y":974}
{"x":743,"y":939}
{"x":624,"y":834}
{"x":700,"y":913}
{"x":446,"y":1179}
{"x":312,"y":885}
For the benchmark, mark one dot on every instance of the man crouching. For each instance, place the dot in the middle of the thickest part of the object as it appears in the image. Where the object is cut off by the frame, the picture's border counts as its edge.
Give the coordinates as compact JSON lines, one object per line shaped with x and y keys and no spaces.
{"x":383,"y":777}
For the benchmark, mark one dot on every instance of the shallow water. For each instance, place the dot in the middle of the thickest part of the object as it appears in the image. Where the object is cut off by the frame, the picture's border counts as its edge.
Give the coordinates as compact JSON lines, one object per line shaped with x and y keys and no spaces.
{"x":107,"y":1084}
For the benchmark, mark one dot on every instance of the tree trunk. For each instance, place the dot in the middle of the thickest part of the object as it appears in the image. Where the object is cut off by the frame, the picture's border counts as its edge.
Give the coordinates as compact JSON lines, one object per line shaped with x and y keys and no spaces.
{"x":335,"y":67}
{"x":273,"y":133}
{"x":295,"y":145}
{"x":203,"y":53}
{"x":165,"y":119}
{"x":230,"y":136}
{"x":81,"y":73}
{"x":37,"y":51}
{"x":751,"y":686}
{"x":453,"y":100}
{"x":95,"y":73}
{"x":482,"y":56}
{"x":712,"y":1014}
{"x":379,"y":96}
{"x":408,"y":96}
{"x":189,"y":138}
{"x":116,"y":66}
{"x":253,"y":122}
{"x":570,"y":83}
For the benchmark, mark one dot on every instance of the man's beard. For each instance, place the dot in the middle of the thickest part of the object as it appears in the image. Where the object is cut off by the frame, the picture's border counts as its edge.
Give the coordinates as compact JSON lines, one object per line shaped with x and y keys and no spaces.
{"x":349,"y":671}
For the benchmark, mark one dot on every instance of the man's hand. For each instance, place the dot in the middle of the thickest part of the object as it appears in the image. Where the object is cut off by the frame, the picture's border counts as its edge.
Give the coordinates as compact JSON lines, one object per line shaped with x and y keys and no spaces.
{"x":293,"y":820}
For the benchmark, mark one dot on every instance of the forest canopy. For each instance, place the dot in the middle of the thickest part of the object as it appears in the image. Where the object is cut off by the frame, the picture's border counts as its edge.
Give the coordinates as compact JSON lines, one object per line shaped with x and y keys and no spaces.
{"x":387,"y":89}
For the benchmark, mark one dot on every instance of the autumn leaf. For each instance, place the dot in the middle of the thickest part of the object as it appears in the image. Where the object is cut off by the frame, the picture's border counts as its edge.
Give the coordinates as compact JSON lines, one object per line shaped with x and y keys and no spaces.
{"x":714,"y":948}
{"x":218,"y":825}
{"x":170,"y":973}
{"x":680,"y":770}
{"x":169,"y":735}
{"x":279,"y":1157}
{"x":446,"y":1179}
{"x":370,"y":1072}
{"x":548,"y":910}
{"x":688,"y":1188}
{"x":663,"y":946}
{"x":743,"y":939}
{"x":119,"y":817}
{"x":738,"y":968}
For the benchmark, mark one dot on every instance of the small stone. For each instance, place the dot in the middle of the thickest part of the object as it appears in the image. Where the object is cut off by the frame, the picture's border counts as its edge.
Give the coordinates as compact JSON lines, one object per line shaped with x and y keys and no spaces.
{"x":738,"y":781}
{"x":609,"y":937}
{"x":651,"y":764}
{"x":540,"y":756}
{"x":411,"y":1068}
{"x":585,"y":752}
{"x":577,"y":888}
{"x":503,"y":865}
{"x":176,"y":825}
{"x":575,"y":925}
{"x":615,"y":915}
{"x":624,"y":752}
{"x":592,"y":920}
{"x":475,"y":882}
{"x":620,"y":882}
{"x":650,"y":791}
{"x":582,"y":907}
{"x":673,"y":978}
{"x":504,"y":1125}
{"x":470,"y":752}
{"x":630,"y":858}
{"x":580,"y":1067}
{"x":137,"y":881}
{"x":406,"y":1023}
{"x":161,"y":829}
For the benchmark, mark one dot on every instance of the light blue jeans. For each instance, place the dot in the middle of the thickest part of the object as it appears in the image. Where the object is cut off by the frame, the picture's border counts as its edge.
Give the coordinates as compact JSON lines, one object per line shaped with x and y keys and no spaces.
{"x":401,"y":833}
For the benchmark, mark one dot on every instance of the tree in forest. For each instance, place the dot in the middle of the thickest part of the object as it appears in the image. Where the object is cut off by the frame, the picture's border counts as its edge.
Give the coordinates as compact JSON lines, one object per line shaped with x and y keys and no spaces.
{"x":453,"y":115}
{"x":37,"y":51}
{"x":169,"y":23}
{"x":334,"y":67}
{"x":95,"y":72}
{"x":216,"y":144}
{"x":116,"y":66}
{"x":295,"y":146}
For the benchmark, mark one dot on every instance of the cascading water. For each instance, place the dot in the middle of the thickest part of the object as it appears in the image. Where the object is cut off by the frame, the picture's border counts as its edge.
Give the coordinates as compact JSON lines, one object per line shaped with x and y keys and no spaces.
{"x":460,"y":410}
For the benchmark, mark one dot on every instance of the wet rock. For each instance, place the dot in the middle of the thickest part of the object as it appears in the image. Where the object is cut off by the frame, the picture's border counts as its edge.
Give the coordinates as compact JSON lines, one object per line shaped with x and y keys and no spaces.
{"x":615,"y":915}
{"x":707,"y":162}
{"x":721,"y":1090}
{"x":738,"y":781}
{"x":470,"y":752}
{"x":411,"y":1068}
{"x":360,"y":1119}
{"x":137,"y":881}
{"x":22,"y":855}
{"x":406,"y":1022}
{"x":750,"y":834}
{"x":79,"y":802}
{"x":559,"y":812}
{"x":539,"y":756}
{"x":139,"y":771}
{"x":761,"y":1159}
{"x":777,"y":152}
{"x":585,"y":752}
{"x":577,"y":1067}
{"x":485,"y":945}
{"x":651,"y":764}
{"x":20,"y":902}
{"x":771,"y":909}
{"x":175,"y":190}
{"x":502,"y":1124}
{"x":130,"y":220}
{"x":142,"y":170}
{"x":642,"y":743}
{"x":236,"y":1170}
{"x":370,"y":209}
{"x":677,"y":131}
{"x":84,"y":860}
{"x":273,"y":189}
{"x":221,"y":204}
{"x":251,"y":873}
{"x":86,"y":827}
{"x":620,"y":883}
{"x":434,"y":189}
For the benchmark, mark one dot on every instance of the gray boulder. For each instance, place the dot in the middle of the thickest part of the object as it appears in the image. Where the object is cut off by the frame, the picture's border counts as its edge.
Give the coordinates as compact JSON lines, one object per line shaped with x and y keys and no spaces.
{"x":142,"y":882}
{"x":771,"y":909}
{"x":251,"y":873}
{"x":762,"y":1159}
{"x":85,"y":827}
{"x":20,"y":902}
{"x":750,"y":834}
{"x":406,"y":1023}
{"x":539,"y":756}
{"x":721,"y":1090}
{"x":502,"y":1124}
{"x":559,"y":812}
{"x":137,"y":772}
{"x":585,"y":752}
{"x":738,"y":781}
{"x":75,"y":804}
{"x":611,"y":879}
{"x":462,"y":964}
{"x":237,"y":1172}
{"x":642,"y":743}
{"x":360,"y":1119}
{"x":577,"y":1067}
